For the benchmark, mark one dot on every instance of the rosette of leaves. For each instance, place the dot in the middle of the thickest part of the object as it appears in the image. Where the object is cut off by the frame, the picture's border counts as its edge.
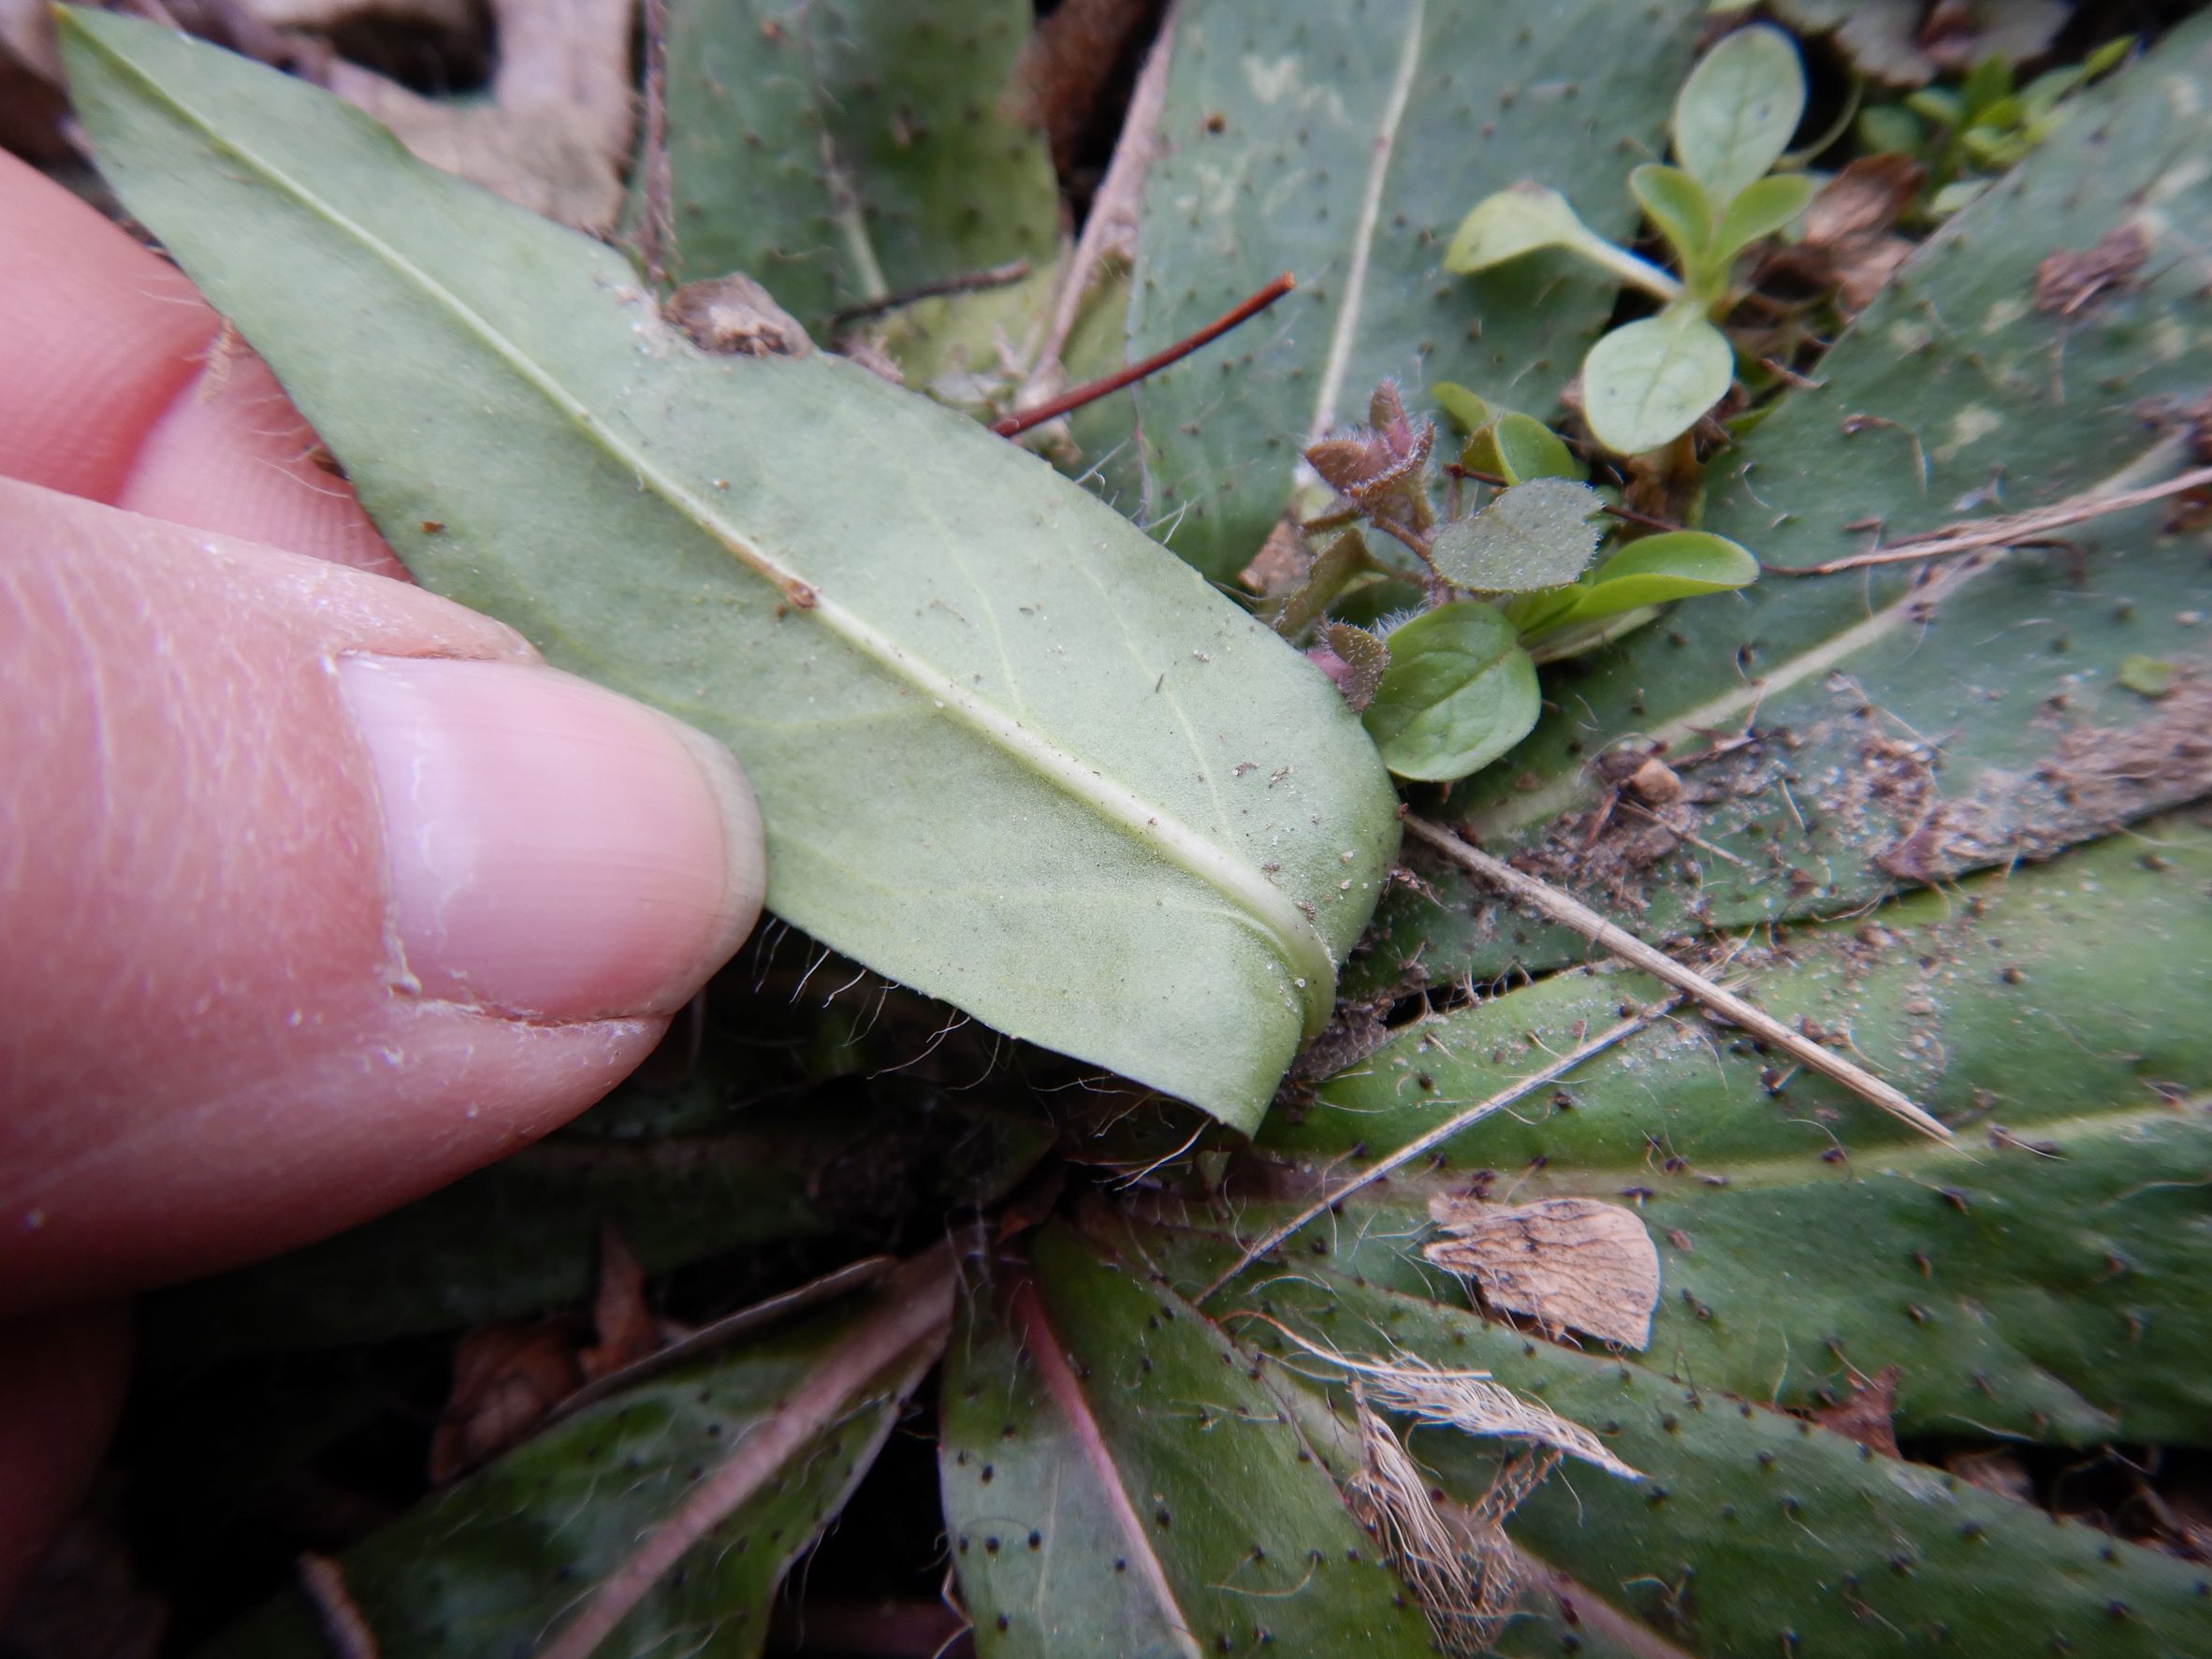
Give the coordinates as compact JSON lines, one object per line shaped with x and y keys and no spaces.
{"x":1448,"y":689}
{"x":1647,"y":382}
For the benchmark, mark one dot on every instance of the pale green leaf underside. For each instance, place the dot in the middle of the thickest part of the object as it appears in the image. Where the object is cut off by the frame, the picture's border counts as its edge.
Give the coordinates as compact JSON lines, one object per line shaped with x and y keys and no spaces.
{"x":1016,"y":756}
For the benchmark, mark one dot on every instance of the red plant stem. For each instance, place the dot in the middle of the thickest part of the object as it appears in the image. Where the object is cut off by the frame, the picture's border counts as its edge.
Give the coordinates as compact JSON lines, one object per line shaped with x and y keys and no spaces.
{"x":1013,"y":426}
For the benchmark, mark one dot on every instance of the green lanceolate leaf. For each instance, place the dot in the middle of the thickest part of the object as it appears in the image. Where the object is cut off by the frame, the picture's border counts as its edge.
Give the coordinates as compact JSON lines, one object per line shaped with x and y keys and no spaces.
{"x":1752,"y":1533}
{"x":1006,"y":752}
{"x":502,"y":1560}
{"x":1536,"y":534}
{"x":838,"y":153}
{"x":1120,"y":1481}
{"x":1738,"y":108}
{"x":1459,"y":692}
{"x":1647,"y":382}
{"x":2046,"y":1275}
{"x":1913,"y":723}
{"x":1344,"y":144}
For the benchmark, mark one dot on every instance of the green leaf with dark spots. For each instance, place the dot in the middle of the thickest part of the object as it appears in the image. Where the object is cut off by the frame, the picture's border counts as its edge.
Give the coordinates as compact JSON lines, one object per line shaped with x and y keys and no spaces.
{"x":1120,"y":1479}
{"x":841,"y":151}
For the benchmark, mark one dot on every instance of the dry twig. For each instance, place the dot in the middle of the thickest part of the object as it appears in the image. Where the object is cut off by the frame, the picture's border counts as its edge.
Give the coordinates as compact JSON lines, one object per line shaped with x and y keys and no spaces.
{"x":1972,"y":534}
{"x":1519,"y":1087}
{"x":1569,"y":911}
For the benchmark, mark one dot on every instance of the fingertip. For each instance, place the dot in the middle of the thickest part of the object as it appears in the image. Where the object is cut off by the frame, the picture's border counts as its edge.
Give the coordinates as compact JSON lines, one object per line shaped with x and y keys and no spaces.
{"x":98,"y":336}
{"x":231,"y":454}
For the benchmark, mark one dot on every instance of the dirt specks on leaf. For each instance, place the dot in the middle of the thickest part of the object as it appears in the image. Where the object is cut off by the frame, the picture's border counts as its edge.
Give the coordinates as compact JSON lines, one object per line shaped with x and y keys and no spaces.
{"x":1569,"y":1263}
{"x":2068,"y":281}
{"x":2093,"y":780}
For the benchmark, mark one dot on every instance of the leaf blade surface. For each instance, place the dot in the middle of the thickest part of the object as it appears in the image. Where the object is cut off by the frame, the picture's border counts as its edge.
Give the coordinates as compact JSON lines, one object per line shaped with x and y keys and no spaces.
{"x":1008,"y":754}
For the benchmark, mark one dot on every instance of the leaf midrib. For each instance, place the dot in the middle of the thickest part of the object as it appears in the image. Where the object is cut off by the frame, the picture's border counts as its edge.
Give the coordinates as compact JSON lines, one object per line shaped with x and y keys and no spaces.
{"x":1253,"y":898}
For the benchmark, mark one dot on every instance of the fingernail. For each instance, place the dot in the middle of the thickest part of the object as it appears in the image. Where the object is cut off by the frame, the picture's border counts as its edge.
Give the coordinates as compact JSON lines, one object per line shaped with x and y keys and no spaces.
{"x":557,"y":852}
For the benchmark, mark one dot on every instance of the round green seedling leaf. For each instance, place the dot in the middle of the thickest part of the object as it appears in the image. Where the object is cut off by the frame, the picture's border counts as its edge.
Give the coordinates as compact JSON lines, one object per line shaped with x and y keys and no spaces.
{"x":1677,"y":564}
{"x":1526,"y":448}
{"x":1761,"y":209}
{"x":1645,"y":384}
{"x":1736,"y":113}
{"x":1459,"y":692}
{"x":1518,"y":447}
{"x":1536,"y":534}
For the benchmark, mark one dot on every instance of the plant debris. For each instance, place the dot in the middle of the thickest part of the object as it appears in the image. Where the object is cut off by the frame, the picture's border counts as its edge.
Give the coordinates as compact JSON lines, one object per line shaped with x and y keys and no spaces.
{"x":1566,"y":1262}
{"x":2067,"y":280}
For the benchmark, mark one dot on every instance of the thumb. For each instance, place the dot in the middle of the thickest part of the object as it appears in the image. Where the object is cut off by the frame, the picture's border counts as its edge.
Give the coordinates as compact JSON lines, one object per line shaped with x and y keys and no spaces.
{"x":319,"y":891}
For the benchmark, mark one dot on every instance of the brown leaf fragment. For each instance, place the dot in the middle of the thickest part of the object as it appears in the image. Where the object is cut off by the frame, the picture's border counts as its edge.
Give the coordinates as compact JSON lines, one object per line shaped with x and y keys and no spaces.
{"x":2068,"y":281}
{"x":1849,"y":244}
{"x":1959,"y":33}
{"x":1567,"y":1262}
{"x":625,"y":1325}
{"x":505,"y":1379}
{"x":556,"y":135}
{"x":1071,"y":63}
{"x":1866,"y":1417}
{"x":733,"y":315}
{"x":1281,"y":562}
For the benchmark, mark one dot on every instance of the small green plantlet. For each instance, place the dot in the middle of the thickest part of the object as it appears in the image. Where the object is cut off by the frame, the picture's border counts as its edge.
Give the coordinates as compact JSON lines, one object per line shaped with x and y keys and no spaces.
{"x":1446,"y":688}
{"x":1645,"y":384}
{"x":1968,"y":133}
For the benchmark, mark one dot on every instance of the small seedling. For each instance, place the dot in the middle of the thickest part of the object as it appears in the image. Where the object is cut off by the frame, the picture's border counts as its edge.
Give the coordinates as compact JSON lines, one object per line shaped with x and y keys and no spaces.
{"x":1449,"y":688}
{"x":1968,"y":133}
{"x":1647,"y":382}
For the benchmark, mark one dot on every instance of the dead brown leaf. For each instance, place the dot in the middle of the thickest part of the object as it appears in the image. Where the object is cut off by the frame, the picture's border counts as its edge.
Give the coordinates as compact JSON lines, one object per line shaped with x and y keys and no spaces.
{"x":625,"y":1325}
{"x":1567,"y":1262}
{"x":2068,"y":281}
{"x":1281,"y":562}
{"x":1866,"y":1417}
{"x":1076,"y":54}
{"x":556,"y":132}
{"x":506,"y":1378}
{"x":1849,"y":244}
{"x":1959,"y":33}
